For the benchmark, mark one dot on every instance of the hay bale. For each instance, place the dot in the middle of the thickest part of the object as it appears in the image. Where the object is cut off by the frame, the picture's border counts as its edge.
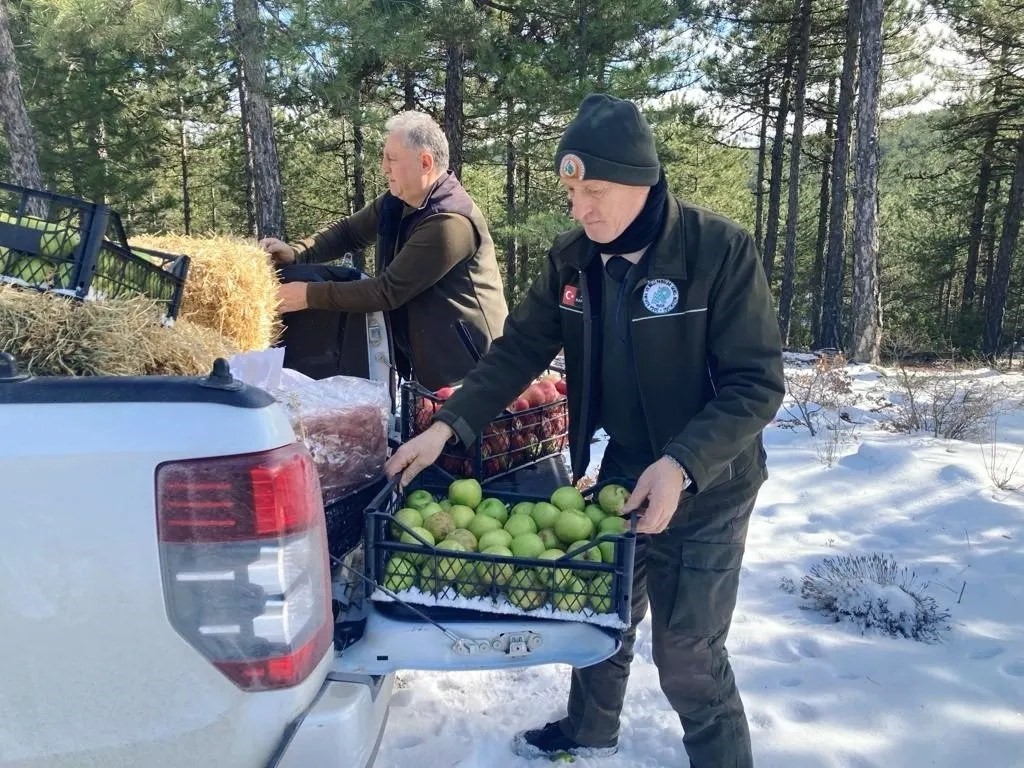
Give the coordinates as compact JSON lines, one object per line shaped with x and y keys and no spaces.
{"x":51,"y":335}
{"x":231,"y":287}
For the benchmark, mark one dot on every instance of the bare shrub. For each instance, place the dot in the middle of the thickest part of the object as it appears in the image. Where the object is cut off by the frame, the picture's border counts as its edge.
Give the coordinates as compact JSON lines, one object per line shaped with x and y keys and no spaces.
{"x":947,"y":405}
{"x":826,"y":385}
{"x":1001,"y":462}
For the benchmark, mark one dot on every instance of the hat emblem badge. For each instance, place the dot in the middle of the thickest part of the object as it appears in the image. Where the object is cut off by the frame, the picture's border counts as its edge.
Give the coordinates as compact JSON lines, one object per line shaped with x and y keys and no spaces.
{"x":572,"y":167}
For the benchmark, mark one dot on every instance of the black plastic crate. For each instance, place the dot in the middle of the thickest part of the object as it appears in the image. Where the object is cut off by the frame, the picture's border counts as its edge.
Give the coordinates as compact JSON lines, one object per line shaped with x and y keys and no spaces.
{"x":511,"y":441}
{"x":79,"y":249}
{"x":439,"y":580}
{"x":346,"y":517}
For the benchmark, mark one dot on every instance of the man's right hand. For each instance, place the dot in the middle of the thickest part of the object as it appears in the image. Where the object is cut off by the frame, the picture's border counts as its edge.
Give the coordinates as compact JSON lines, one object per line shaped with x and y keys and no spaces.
{"x":279,"y":251}
{"x":413,"y":457}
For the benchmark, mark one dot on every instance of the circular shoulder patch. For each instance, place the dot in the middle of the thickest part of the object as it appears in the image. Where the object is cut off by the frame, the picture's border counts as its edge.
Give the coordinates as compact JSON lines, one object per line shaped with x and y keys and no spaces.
{"x":572,"y":167}
{"x":660,"y":296}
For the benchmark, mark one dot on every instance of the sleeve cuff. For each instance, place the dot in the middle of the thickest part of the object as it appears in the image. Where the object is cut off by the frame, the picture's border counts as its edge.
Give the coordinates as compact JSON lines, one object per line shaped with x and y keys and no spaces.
{"x":459,"y":426}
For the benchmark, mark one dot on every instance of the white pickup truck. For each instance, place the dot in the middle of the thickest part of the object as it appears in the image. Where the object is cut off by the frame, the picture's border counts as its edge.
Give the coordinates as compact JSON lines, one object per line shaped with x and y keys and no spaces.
{"x":166,"y":590}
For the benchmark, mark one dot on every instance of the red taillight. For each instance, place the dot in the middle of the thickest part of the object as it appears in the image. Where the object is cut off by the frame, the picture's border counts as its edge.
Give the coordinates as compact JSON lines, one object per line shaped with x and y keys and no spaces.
{"x":243,"y":550}
{"x":237,"y":498}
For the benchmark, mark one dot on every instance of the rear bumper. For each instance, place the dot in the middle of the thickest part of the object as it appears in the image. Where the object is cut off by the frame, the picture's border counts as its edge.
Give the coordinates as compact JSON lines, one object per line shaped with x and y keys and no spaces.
{"x":341,"y":729}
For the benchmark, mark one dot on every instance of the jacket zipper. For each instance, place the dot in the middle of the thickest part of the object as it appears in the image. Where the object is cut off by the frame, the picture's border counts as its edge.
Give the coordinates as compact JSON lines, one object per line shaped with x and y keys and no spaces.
{"x":582,"y":441}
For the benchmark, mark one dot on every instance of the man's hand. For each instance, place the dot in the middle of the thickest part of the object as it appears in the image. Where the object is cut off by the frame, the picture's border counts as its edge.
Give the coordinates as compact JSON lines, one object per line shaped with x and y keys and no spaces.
{"x":291,"y":297}
{"x":413,"y":457}
{"x":279,"y":251}
{"x":661,"y":486}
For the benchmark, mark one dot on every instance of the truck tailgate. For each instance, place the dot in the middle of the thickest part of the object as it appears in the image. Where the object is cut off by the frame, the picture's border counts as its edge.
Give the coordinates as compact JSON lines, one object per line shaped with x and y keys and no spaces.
{"x":92,"y":671}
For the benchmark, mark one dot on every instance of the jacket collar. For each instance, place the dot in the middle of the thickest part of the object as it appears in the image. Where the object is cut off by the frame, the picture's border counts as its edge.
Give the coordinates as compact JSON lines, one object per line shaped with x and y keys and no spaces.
{"x":665,"y":258}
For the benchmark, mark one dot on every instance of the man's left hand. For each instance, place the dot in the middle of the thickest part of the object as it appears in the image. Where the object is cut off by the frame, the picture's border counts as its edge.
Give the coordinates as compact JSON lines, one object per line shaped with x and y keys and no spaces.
{"x":291,"y":297}
{"x":661,"y":486}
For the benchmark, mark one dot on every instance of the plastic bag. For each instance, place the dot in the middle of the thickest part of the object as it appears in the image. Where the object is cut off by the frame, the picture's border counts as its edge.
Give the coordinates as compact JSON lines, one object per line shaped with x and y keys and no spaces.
{"x":343,"y":422}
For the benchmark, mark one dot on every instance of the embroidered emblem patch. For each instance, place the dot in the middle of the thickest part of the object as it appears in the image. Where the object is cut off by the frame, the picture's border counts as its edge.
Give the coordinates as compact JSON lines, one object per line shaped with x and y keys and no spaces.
{"x":572,"y":167}
{"x":569,"y":295}
{"x":660,"y":296}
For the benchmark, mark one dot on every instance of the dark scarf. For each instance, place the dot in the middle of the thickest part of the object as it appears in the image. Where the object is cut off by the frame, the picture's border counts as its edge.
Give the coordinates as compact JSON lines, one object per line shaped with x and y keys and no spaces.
{"x":645,"y":228}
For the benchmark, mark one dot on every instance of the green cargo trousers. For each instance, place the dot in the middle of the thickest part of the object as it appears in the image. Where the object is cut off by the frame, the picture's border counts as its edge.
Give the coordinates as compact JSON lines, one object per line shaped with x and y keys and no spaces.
{"x":689,"y":576}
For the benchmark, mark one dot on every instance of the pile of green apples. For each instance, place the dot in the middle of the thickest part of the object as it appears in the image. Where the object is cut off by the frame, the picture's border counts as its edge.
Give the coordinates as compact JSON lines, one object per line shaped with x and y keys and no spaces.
{"x":564,"y":529}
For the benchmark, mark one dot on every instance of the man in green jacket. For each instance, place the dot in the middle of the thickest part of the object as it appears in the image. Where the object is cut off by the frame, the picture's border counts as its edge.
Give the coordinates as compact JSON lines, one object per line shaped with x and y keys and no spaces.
{"x":436,"y":267}
{"x":672,"y":347}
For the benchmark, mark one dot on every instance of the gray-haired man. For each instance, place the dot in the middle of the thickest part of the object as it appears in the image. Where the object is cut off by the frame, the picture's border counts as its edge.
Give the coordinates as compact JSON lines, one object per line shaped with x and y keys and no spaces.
{"x":435,"y":259}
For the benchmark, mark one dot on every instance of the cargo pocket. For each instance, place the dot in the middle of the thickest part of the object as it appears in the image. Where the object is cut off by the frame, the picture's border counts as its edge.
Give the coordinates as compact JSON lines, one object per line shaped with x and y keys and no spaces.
{"x":705,"y":590}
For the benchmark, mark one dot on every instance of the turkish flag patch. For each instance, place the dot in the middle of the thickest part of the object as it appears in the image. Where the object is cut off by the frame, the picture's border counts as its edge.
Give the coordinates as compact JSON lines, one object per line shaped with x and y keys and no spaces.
{"x":569,"y":296}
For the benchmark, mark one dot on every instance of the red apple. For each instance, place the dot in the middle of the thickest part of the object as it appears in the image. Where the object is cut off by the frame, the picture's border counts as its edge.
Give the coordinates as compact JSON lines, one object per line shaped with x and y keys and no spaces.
{"x":444,"y":393}
{"x":560,"y":386}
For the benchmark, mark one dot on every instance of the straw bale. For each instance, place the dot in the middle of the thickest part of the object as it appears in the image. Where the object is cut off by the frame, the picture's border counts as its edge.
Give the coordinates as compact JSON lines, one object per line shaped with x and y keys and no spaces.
{"x":231,"y":286}
{"x":51,"y":335}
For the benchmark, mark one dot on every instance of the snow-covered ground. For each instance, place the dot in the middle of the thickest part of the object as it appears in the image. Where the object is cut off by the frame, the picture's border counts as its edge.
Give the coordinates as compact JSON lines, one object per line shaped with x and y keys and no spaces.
{"x":819,"y":694}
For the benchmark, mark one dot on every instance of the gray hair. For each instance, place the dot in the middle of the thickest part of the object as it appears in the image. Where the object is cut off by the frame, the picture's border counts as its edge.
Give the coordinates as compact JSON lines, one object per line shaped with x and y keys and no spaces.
{"x":419,"y":131}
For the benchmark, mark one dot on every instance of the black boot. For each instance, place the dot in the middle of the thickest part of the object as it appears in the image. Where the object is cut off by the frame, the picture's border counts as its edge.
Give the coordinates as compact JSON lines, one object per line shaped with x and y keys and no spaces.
{"x":552,"y":743}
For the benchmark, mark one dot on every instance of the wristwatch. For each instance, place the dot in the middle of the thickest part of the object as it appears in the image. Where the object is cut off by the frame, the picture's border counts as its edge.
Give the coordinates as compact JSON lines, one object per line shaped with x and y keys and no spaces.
{"x":687,"y":480}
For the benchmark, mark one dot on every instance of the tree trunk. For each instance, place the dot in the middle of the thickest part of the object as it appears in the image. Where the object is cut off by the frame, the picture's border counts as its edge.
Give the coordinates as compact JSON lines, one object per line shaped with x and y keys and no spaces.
{"x":266,"y":168}
{"x":802,"y":45}
{"x":358,"y":178}
{"x":454,"y":120}
{"x":247,"y":175}
{"x":511,"y":241}
{"x":524,"y":250}
{"x":976,"y":228}
{"x":818,"y":268}
{"x":991,"y":226}
{"x":186,"y":195}
{"x":21,"y":142}
{"x":995,"y":290}
{"x":778,"y":151}
{"x":762,"y":155}
{"x":867,"y":311}
{"x":832,"y":293}
{"x":408,"y":89}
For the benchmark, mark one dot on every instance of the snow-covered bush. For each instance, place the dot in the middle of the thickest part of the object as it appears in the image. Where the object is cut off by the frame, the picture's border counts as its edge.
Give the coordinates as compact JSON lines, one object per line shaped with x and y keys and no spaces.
{"x":874,"y":593}
{"x":825,"y":385}
{"x":947,"y":405}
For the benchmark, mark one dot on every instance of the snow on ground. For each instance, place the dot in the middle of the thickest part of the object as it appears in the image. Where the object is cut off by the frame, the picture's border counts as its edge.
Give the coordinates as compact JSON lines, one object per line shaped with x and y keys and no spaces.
{"x":819,"y":694}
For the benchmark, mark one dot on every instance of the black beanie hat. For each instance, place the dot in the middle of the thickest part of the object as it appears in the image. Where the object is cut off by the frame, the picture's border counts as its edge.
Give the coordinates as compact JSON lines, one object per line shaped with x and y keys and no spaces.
{"x":608,"y":140}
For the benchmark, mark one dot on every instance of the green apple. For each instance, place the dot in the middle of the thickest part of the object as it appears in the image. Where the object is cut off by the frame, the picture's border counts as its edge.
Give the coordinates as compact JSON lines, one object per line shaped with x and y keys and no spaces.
{"x":418,"y":499}
{"x":495,"y":573}
{"x":461,"y":515}
{"x":466,"y":492}
{"x":430,"y":508}
{"x":595,"y":513}
{"x":481,"y":524}
{"x":573,"y":525}
{"x":493,"y":508}
{"x":524,"y":592}
{"x":430,"y":580}
{"x":451,"y":568}
{"x":570,"y":596}
{"x":464,"y":537}
{"x":612,"y":498}
{"x":568,"y":497}
{"x":547,"y":535}
{"x":439,"y":525}
{"x":522,"y":508}
{"x":408,"y":517}
{"x":407,"y":537}
{"x":544,"y":514}
{"x":399,"y":574}
{"x":527,"y":545}
{"x":613,"y":524}
{"x":600,"y":596}
{"x":549,"y":575}
{"x":590,"y":555}
{"x":607,"y":551}
{"x":446,"y":505}
{"x":519,"y":524}
{"x":498,"y":538}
